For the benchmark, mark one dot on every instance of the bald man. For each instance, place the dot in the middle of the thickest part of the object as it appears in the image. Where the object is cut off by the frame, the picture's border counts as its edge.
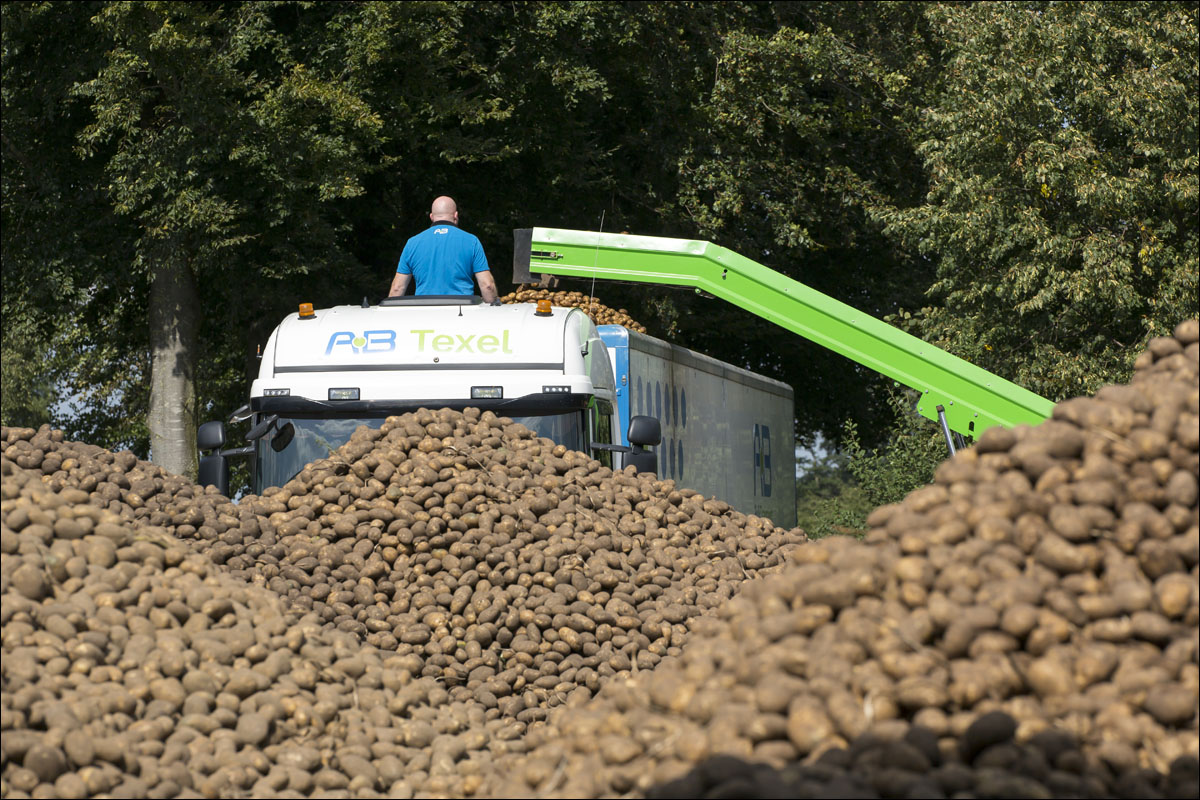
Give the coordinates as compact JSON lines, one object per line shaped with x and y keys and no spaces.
{"x":443,"y":258}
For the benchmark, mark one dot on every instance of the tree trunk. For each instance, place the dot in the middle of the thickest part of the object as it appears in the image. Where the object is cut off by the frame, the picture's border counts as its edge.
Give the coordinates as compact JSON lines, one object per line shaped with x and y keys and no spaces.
{"x":174,"y":311}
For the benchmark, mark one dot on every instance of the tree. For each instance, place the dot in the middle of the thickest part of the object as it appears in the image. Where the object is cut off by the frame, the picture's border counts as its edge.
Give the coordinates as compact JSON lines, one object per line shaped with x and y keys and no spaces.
{"x":533,"y":113}
{"x":28,"y":388}
{"x":803,"y":132}
{"x":226,"y":156}
{"x":59,"y":232}
{"x":841,"y":487}
{"x":828,"y":499}
{"x":1061,"y":149}
{"x":177,"y":176}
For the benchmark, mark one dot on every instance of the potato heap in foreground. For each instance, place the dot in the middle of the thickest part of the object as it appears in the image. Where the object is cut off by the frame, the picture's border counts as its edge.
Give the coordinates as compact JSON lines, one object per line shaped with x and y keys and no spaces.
{"x":1026,"y":626}
{"x":133,"y":667}
{"x":500,"y":574}
{"x":600,"y":313}
{"x":437,"y":603}
{"x":502,"y":564}
{"x":511,"y":569}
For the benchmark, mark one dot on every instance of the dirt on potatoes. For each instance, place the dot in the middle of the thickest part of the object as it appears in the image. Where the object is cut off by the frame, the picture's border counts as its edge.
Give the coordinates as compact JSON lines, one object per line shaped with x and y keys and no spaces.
{"x":449,"y":606}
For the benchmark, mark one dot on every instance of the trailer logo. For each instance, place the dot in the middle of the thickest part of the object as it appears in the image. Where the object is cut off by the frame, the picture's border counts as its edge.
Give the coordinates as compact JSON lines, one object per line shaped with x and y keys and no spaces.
{"x":762,"y":460}
{"x":457,"y":343}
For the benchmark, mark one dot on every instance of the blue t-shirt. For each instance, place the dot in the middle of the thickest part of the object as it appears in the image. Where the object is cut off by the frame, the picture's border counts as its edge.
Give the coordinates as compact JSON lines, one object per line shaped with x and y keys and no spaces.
{"x":442,"y":260}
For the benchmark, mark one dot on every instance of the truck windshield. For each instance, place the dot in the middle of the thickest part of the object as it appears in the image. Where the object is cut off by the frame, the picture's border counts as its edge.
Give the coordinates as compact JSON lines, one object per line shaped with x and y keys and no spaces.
{"x":566,"y":429}
{"x":314,"y":439}
{"x":318,"y":438}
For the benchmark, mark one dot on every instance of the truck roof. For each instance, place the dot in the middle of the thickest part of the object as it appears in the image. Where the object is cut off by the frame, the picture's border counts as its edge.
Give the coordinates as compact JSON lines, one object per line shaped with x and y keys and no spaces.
{"x":433,"y":352}
{"x":349,"y":338}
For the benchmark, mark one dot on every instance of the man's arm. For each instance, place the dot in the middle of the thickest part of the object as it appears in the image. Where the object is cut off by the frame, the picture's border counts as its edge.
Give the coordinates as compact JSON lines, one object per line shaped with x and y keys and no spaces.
{"x":479,"y":266}
{"x":399,"y":284}
{"x":487,"y":285}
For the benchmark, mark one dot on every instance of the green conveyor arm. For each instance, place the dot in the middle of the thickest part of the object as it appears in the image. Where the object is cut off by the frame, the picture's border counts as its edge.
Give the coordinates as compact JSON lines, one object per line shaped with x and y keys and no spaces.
{"x":973,"y":398}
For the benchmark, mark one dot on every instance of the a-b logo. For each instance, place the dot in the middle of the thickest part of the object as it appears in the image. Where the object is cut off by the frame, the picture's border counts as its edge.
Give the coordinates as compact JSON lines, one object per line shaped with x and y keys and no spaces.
{"x":440,"y":231}
{"x":368,"y":342}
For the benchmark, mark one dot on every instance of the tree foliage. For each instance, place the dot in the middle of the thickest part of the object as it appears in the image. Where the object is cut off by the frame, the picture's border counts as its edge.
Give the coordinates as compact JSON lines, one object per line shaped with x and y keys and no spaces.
{"x":221,"y":155}
{"x":63,"y":248}
{"x":829,"y":500}
{"x":1015,"y":181}
{"x":803,"y":132}
{"x":1060,"y":143}
{"x":841,"y":487}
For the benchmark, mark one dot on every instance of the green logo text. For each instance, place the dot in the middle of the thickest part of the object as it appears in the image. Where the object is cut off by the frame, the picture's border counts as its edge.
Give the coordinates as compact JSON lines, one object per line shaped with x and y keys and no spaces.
{"x":457,"y":343}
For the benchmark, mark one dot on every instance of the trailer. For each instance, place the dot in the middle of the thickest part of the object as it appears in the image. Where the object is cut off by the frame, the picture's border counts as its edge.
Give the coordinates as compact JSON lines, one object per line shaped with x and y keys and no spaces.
{"x":726,"y":431}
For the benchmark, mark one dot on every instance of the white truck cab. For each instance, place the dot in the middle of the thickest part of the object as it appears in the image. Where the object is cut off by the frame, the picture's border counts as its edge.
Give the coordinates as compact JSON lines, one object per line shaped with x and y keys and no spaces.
{"x":325,"y":372}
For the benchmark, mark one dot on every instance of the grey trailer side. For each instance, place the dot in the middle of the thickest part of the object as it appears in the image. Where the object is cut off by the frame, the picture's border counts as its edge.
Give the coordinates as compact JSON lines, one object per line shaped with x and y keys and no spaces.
{"x":727,"y":432}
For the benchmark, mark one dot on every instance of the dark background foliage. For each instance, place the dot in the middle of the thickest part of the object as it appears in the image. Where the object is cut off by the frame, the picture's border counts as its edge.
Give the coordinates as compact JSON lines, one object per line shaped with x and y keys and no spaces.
{"x":1016,"y":182}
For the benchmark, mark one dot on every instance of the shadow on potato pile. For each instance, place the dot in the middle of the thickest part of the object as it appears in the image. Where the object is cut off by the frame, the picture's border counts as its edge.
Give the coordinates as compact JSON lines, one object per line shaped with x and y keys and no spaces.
{"x":985,"y":762}
{"x":451,"y":607}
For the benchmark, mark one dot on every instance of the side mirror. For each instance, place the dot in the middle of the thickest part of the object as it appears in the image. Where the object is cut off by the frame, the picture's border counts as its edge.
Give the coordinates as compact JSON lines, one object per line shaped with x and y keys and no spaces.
{"x":645,"y":431}
{"x":210,"y":436}
{"x":214,"y":471}
{"x":642,"y":460}
{"x":260,"y":430}
{"x":283,"y":437}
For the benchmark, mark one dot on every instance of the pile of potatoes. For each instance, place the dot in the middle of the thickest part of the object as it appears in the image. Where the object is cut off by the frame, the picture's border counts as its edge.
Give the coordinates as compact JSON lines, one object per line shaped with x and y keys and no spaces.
{"x":516,"y":572}
{"x":1025,"y":626}
{"x":450,"y":606}
{"x":472,"y":575}
{"x":600,"y":313}
{"x":513,"y":570}
{"x":135,"y":667}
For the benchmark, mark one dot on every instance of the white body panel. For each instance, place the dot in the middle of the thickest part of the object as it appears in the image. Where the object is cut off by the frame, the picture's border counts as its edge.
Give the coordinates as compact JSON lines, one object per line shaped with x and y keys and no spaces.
{"x":432,"y":353}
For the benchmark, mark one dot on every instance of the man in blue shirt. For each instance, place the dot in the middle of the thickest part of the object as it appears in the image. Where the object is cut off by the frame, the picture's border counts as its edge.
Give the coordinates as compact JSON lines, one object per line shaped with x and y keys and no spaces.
{"x":443,"y":258}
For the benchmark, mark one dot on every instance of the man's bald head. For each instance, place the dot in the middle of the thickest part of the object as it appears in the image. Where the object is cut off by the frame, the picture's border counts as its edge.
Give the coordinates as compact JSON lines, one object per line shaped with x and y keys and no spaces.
{"x":444,"y":210}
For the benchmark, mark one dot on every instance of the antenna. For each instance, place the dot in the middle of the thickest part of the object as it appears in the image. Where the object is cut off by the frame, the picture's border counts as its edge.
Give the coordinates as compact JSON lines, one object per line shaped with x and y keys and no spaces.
{"x":595,"y":262}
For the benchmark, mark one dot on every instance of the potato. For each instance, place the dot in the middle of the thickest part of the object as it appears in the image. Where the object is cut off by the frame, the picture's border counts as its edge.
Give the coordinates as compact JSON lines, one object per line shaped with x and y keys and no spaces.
{"x":546,"y":624}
